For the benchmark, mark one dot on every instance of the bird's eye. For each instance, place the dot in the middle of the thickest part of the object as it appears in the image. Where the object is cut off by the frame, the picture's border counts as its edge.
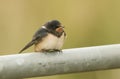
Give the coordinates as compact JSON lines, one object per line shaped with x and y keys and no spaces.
{"x":57,"y":26}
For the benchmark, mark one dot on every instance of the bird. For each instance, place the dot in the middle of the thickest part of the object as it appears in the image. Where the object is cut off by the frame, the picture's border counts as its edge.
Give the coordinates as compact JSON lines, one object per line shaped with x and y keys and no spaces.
{"x":48,"y":38}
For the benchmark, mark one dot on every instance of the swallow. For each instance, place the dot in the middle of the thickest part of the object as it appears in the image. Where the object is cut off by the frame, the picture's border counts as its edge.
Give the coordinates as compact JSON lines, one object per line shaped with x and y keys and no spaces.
{"x":50,"y":37}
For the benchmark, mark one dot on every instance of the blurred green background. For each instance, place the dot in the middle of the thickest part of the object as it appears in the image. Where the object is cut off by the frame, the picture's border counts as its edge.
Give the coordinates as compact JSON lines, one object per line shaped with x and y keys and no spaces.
{"x":87,"y":23}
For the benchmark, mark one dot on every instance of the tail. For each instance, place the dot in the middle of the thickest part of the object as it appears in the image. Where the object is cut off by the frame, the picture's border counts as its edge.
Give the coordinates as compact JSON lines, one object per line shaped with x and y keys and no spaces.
{"x":27,"y":46}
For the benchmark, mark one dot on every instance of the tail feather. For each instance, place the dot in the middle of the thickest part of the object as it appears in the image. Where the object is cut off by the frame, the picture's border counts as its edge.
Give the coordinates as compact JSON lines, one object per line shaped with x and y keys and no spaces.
{"x":27,"y":46}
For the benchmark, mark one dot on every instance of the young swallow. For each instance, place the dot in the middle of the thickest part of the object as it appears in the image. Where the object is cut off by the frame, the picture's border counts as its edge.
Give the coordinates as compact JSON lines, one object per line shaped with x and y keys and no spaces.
{"x":50,"y":37}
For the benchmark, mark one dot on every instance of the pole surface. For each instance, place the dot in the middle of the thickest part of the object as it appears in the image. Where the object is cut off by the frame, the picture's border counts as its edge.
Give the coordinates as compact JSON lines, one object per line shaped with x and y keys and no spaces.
{"x":69,"y":61}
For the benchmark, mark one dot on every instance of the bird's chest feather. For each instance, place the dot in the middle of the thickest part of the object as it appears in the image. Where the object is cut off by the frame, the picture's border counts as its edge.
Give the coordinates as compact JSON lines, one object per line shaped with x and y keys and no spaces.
{"x":51,"y":42}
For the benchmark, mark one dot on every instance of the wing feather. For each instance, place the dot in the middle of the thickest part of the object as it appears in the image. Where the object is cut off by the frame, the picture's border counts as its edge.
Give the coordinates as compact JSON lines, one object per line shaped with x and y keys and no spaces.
{"x":37,"y":37}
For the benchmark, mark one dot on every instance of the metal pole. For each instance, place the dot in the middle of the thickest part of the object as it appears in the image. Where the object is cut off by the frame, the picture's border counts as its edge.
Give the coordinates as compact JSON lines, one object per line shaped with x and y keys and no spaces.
{"x":69,"y":61}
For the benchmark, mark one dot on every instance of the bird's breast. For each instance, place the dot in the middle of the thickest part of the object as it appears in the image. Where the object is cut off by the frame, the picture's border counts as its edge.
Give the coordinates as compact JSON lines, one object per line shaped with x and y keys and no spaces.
{"x":50,"y":42}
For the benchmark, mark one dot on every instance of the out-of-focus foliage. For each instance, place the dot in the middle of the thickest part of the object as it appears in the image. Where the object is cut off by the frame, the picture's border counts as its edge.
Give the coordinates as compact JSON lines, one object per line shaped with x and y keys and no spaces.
{"x":87,"y":23}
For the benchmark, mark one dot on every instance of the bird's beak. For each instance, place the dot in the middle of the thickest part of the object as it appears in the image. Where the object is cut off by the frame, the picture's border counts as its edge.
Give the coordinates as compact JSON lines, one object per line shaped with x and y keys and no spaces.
{"x":62,"y":26}
{"x":60,"y":29}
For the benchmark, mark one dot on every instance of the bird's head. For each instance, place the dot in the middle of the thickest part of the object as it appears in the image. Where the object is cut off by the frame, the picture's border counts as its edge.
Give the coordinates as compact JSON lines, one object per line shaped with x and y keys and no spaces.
{"x":54,"y":25}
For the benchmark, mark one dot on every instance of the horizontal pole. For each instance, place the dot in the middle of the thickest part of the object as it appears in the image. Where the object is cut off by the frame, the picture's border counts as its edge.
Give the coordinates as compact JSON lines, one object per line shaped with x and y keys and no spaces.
{"x":69,"y":61}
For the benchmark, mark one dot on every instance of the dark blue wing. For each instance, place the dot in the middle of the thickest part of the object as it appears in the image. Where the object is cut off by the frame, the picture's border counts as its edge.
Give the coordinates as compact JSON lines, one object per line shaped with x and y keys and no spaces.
{"x":37,"y":37}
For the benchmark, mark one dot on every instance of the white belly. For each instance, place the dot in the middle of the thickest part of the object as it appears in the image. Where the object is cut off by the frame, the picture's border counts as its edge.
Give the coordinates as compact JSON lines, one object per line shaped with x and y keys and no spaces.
{"x":50,"y":42}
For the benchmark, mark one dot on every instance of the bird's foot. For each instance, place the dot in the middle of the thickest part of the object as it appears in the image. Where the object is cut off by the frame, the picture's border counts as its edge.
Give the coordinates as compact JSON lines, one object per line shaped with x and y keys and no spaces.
{"x":57,"y":50}
{"x":51,"y":50}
